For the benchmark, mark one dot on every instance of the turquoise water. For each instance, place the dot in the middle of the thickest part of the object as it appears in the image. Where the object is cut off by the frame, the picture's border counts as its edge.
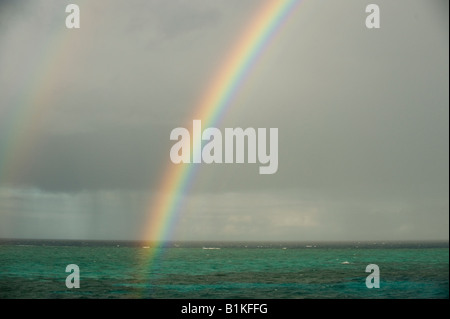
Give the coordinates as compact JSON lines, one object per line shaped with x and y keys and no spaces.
{"x":122,"y":270}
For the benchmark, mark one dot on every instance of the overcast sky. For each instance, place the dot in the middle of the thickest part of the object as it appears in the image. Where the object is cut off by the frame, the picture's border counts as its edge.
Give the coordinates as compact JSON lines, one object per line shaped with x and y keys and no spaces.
{"x":362,"y":114}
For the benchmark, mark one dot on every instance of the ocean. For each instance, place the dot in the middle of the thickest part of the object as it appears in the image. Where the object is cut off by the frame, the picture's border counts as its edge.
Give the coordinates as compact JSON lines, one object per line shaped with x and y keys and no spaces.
{"x":215,"y":270}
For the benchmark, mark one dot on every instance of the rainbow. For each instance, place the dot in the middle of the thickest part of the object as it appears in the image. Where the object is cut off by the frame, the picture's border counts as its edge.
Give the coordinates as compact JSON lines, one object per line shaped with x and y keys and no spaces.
{"x":33,"y":100}
{"x":214,"y":103}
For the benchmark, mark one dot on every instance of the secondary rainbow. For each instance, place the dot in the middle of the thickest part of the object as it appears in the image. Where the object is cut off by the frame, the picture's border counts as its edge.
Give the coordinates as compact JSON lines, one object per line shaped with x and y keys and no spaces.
{"x":218,"y":97}
{"x":34,"y":99}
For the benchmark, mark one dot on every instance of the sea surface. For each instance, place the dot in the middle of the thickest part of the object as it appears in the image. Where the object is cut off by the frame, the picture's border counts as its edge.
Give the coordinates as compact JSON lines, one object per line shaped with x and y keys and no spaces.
{"x":118,"y":269}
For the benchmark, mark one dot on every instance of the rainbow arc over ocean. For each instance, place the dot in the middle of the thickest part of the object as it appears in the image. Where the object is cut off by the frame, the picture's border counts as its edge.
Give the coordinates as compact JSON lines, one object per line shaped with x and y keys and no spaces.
{"x":216,"y":100}
{"x":33,"y":100}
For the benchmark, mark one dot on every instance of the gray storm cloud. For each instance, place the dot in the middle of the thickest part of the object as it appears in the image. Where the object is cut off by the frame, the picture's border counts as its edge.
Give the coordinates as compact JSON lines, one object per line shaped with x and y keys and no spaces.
{"x":362,"y":118}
